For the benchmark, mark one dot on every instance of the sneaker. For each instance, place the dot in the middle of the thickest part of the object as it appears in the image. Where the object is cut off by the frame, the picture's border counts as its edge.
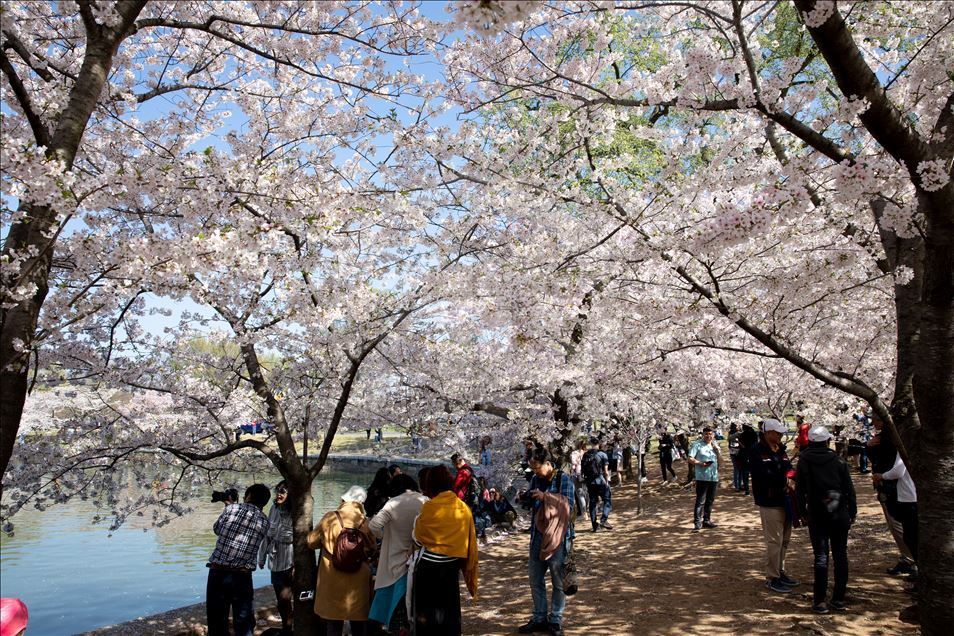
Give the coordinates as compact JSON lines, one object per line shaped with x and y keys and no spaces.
{"x":606,"y":526}
{"x":786,"y":580}
{"x":902,"y":567}
{"x":556,"y":629}
{"x":840,"y":606}
{"x":595,"y":528}
{"x":533,"y":627}
{"x":709,"y":524}
{"x":696,"y":528}
{"x":777,"y":586}
{"x":820,"y":608}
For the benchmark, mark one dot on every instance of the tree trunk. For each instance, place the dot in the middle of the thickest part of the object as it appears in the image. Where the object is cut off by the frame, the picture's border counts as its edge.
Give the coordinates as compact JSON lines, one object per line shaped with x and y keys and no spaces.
{"x":639,"y":483}
{"x":933,"y":461}
{"x":305,"y":565}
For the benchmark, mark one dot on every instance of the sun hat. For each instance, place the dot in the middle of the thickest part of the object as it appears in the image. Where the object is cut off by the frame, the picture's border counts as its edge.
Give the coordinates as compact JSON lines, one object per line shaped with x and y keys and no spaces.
{"x":357,"y":494}
{"x":819,"y":434}
{"x":773,"y":425}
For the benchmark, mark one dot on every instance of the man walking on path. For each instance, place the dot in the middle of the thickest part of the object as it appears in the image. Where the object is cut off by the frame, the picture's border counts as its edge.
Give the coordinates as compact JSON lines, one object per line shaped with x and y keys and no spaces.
{"x":551,"y":496}
{"x":704,"y":457}
{"x":772,"y":480}
{"x":826,"y":497}
{"x":240,"y":530}
{"x":595,"y":469}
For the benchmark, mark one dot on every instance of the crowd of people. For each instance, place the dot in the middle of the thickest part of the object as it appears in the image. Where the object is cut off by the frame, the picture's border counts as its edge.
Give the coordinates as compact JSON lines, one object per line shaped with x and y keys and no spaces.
{"x":813,"y":488}
{"x":390,"y":556}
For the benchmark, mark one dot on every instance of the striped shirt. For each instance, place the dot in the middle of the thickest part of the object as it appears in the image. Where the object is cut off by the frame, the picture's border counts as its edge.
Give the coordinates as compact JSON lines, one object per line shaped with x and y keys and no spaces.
{"x":240,"y":529}
{"x":277,"y":545}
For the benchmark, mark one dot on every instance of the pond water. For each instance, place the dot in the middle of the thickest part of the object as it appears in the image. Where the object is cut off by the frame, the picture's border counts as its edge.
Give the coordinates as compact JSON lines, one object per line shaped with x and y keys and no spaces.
{"x":74,"y":577}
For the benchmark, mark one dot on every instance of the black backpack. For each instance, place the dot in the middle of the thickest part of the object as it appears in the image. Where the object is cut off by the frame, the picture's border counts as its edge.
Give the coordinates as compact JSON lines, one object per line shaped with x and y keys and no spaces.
{"x":472,"y":496}
{"x":590,"y":466}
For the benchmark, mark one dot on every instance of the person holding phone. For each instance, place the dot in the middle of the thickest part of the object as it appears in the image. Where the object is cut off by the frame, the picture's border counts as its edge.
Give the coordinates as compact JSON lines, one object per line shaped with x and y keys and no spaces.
{"x":704,"y":457}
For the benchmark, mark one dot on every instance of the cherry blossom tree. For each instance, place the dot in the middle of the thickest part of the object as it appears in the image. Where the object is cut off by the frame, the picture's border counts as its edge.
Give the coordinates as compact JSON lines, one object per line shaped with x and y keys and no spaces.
{"x":803,"y":180}
{"x":101,"y":97}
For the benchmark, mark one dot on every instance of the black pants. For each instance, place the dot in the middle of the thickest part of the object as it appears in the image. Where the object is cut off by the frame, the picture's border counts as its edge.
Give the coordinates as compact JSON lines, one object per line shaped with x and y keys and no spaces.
{"x":833,"y":536}
{"x":907,"y":514}
{"x":705,"y":495}
{"x":436,"y":598}
{"x":665,"y":464}
{"x":229,"y":590}
{"x":282,"y":582}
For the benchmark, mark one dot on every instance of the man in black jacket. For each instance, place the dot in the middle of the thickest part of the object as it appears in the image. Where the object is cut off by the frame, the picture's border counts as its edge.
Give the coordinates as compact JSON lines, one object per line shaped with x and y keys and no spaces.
{"x":772,"y":476}
{"x":826,"y":497}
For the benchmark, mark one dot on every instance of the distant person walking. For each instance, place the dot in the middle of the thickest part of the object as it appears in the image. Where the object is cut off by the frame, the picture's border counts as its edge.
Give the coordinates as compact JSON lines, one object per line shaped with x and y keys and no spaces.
{"x":595,"y":469}
{"x":667,"y":446}
{"x":826,"y":497}
{"x":704,"y":457}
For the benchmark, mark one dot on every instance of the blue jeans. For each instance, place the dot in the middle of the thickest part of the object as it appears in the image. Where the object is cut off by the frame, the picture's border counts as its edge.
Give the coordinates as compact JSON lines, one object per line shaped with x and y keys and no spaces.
{"x":599,"y":490}
{"x":538,"y":590}
{"x":225,"y":590}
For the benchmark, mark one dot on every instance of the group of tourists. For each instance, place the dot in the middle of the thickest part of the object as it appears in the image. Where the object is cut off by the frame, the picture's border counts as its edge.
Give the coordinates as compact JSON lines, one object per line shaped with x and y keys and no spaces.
{"x":390,"y":557}
{"x":816,"y":490}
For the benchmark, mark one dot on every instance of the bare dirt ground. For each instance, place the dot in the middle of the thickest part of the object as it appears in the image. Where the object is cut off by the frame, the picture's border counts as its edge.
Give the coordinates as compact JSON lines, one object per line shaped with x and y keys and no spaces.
{"x":651,"y":575}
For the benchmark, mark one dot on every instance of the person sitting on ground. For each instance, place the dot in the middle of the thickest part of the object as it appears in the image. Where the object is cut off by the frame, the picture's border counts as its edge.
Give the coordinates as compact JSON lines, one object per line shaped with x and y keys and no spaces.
{"x":500,"y":509}
{"x":826,"y":497}
{"x":704,"y":456}
{"x":596,"y":475}
{"x":343,"y":587}
{"x":772,"y":480}
{"x":445,"y":530}
{"x":394,"y":524}
{"x":551,"y":535}
{"x":277,"y":550}
{"x":239,"y":531}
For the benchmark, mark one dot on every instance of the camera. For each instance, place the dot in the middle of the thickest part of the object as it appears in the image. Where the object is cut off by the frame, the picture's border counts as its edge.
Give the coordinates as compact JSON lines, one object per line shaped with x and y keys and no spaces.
{"x":225,"y":496}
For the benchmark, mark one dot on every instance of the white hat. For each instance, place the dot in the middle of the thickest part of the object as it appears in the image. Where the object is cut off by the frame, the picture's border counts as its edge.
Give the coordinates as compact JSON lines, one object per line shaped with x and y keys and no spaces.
{"x":774,"y":425}
{"x":356,"y":494}
{"x":819,"y":434}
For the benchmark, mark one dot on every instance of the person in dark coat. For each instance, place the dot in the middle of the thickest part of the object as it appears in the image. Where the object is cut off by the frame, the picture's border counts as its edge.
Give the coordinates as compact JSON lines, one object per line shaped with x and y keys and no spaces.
{"x":826,"y":498}
{"x":772,"y":476}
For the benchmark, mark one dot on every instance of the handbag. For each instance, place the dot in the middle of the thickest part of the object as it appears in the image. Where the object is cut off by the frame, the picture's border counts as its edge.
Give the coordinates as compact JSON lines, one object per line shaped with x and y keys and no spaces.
{"x":570,"y":586}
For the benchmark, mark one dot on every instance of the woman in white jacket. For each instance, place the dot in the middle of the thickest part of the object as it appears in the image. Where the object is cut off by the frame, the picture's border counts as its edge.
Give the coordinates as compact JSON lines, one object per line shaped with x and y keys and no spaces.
{"x":905,"y":509}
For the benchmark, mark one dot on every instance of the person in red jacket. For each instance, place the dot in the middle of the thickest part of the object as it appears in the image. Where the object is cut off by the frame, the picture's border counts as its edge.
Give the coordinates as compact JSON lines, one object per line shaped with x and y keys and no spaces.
{"x":465,"y":474}
{"x":802,"y":440}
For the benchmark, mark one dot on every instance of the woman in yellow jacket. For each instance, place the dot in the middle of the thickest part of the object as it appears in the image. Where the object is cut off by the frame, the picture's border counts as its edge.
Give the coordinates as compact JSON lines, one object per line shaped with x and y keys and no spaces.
{"x":343,"y":596}
{"x":445,"y":530}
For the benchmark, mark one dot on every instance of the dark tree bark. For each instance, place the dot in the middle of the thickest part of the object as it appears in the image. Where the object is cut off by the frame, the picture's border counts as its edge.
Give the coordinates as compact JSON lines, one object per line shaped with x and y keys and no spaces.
{"x":31,"y":232}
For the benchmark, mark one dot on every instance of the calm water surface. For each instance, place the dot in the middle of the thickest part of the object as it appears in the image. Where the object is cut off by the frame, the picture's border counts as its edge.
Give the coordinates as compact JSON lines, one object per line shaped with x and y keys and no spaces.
{"x":74,"y":577}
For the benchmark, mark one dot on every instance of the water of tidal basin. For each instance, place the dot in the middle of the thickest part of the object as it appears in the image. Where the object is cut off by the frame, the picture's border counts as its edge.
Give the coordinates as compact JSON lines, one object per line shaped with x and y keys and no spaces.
{"x":73,"y":577}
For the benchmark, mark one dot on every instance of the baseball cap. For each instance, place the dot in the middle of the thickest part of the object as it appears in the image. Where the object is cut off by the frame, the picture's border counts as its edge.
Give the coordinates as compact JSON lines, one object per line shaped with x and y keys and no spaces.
{"x":774,"y":425}
{"x":819,"y":434}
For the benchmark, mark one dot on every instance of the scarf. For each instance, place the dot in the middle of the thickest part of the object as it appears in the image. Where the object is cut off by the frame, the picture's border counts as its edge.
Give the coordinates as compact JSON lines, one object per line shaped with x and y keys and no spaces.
{"x":446,"y":526}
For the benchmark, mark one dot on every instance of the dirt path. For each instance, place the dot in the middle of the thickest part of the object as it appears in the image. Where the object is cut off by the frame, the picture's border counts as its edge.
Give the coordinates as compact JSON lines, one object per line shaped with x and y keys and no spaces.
{"x":651,"y":575}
